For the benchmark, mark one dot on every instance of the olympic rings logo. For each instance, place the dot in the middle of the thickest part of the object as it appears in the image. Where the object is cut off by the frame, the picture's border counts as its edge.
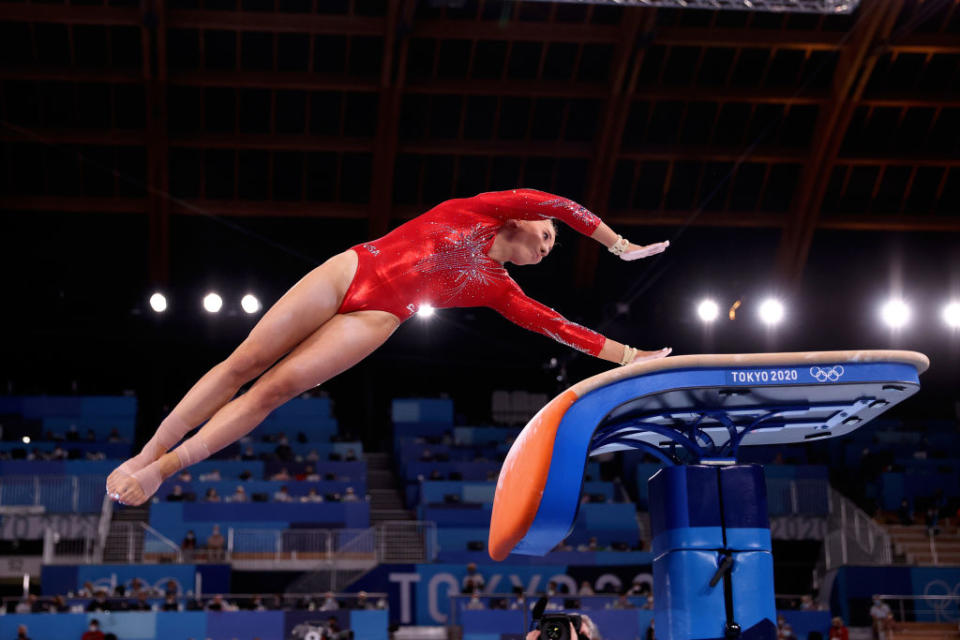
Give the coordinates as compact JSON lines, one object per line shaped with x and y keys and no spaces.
{"x":944,"y":608}
{"x":823,"y":374}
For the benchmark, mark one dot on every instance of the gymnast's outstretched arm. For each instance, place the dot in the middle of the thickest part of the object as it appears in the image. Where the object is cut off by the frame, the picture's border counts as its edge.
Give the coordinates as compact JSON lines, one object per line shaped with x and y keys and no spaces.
{"x":513,"y":304}
{"x":531,"y":204}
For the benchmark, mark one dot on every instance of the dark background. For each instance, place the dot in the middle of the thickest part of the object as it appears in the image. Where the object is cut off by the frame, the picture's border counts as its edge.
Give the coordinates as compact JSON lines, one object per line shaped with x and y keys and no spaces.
{"x":196,"y":145}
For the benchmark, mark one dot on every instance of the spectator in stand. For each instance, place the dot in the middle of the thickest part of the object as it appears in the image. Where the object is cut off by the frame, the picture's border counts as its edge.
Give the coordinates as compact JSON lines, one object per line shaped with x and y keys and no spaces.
{"x":311,"y":475}
{"x":473,"y":582}
{"x":622,"y":602}
{"x":27,"y":605}
{"x":312,"y":496}
{"x":99,"y":603}
{"x":585,"y":589}
{"x":838,"y":631}
{"x":648,"y":603}
{"x":350,"y":456}
{"x":176,"y":495}
{"x":784,"y":630}
{"x":426,"y":456}
{"x":283,"y":495}
{"x":239,"y":495}
{"x":257,"y":604}
{"x":189,"y":543}
{"x":211,"y":495}
{"x":216,"y":603}
{"x":170,"y":603}
{"x":350,"y":495}
{"x":211,"y":476}
{"x":91,"y":436}
{"x":172,"y":588}
{"x":590,"y":546}
{"x":878,"y":615}
{"x":329,"y":602}
{"x":141,"y":604}
{"x":651,"y":634}
{"x":22,"y":632}
{"x":362,"y":602}
{"x":245,"y":475}
{"x":59,"y":453}
{"x":216,"y":543}
{"x":248,"y":454}
{"x":59,"y":605}
{"x":333,"y":630}
{"x":312,"y":456}
{"x":185,"y":476}
{"x":435,"y":474}
{"x":475,"y":603}
{"x":807,"y":603}
{"x":281,"y":476}
{"x":888,"y":626}
{"x":114,"y":436}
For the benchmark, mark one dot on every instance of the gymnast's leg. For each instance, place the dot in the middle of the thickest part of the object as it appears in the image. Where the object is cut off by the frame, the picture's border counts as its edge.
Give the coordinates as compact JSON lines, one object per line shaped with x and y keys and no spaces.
{"x":297,"y":314}
{"x":340,"y":343}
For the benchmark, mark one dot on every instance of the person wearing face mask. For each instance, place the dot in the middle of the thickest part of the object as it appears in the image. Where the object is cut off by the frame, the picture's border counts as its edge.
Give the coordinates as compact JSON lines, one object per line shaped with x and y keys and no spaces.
{"x":451,"y":256}
{"x":93,"y":631}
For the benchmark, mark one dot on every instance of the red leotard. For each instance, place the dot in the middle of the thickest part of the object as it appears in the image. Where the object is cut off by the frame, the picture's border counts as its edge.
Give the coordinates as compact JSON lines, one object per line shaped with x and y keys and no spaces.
{"x":440,"y":258}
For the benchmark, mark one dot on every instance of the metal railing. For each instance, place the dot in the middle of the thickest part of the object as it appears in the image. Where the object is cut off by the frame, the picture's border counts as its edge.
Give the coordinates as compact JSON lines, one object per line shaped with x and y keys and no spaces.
{"x":406,"y":541}
{"x":56,"y":494}
{"x":925,"y":608}
{"x":798,"y":497}
{"x":136,"y":542}
{"x":526,"y":602}
{"x":198,"y":601}
{"x":58,"y":550}
{"x":853,"y":537}
{"x":392,"y":541}
{"x":125,"y":542}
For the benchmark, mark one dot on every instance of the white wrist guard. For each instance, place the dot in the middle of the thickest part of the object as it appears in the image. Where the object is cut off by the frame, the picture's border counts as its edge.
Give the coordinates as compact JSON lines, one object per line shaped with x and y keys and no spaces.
{"x":619,"y":246}
{"x":629,"y":353}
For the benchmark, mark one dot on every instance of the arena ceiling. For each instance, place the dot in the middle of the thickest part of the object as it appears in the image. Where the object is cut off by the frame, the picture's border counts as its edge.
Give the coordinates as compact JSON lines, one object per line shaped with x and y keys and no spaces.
{"x":376,"y":110}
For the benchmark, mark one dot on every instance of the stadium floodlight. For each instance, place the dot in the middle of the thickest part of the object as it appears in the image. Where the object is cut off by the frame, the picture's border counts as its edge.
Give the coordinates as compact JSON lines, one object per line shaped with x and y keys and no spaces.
{"x":895,"y":313}
{"x":771,"y":311}
{"x":25,"y":439}
{"x":158,"y":302}
{"x":212,"y":302}
{"x":250,"y":303}
{"x":708,"y":310}
{"x":773,"y":6}
{"x":951,"y":314}
{"x":425,"y":310}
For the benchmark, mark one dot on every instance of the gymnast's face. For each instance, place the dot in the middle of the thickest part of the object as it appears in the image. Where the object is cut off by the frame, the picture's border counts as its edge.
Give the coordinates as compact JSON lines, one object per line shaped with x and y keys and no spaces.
{"x":530,"y":241}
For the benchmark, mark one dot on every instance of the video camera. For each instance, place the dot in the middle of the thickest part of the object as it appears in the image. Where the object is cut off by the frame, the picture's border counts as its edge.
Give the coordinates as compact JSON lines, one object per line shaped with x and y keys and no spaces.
{"x":556,"y":626}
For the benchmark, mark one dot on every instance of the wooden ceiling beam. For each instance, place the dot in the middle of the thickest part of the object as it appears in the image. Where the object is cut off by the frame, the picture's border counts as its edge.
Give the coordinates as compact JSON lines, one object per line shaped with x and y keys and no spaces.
{"x":154,"y":66}
{"x":875,"y":21}
{"x":629,"y":58}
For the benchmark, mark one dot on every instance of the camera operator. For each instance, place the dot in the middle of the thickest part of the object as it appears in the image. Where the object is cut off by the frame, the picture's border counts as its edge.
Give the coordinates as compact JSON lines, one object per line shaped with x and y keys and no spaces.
{"x":587,"y":631}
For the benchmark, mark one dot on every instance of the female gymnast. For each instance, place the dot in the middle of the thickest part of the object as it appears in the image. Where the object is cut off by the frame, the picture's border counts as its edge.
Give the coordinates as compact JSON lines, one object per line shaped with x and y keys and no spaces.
{"x":341,"y":311}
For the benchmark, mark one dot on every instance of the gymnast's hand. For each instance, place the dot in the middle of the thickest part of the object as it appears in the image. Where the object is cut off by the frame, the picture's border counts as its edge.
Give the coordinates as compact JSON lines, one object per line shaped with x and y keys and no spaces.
{"x":635,"y":251}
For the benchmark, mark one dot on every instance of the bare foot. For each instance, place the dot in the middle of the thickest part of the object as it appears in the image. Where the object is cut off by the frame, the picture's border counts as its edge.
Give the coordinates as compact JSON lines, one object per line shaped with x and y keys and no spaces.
{"x":122,"y":472}
{"x":643,"y":356}
{"x":128,"y":491}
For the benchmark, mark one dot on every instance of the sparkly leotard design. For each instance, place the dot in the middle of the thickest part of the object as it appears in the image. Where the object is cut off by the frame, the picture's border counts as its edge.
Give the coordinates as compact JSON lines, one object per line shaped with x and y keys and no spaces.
{"x":440,"y":258}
